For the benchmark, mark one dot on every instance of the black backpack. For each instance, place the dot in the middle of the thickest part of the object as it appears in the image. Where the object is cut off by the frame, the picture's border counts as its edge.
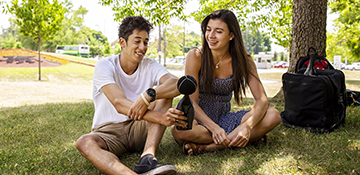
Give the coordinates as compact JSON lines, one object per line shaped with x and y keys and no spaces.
{"x":315,"y":95}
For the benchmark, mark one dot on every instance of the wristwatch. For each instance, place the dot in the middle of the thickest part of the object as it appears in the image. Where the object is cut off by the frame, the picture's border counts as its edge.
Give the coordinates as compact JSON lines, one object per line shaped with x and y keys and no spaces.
{"x":152,"y":93}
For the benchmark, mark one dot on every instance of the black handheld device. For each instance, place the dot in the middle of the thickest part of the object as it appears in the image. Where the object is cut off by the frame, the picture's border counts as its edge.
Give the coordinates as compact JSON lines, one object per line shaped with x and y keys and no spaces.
{"x":186,"y":85}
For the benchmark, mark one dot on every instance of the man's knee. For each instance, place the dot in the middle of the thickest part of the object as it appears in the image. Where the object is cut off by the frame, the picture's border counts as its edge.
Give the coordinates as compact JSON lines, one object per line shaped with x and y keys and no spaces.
{"x":86,"y":142}
{"x":81,"y":143}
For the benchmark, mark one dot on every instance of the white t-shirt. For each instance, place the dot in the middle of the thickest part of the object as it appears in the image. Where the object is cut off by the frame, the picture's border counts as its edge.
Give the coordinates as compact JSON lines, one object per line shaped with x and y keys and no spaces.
{"x":109,"y":71}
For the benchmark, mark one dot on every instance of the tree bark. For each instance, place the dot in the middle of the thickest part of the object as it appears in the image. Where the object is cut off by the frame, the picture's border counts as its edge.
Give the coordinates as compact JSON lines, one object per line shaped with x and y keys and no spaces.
{"x":308,"y":30}
{"x":159,"y":49}
{"x":164,"y":29}
{"x":39,"y":46}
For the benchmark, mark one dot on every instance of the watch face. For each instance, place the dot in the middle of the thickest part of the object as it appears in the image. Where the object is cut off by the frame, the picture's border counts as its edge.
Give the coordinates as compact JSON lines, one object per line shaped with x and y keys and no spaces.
{"x":152,"y":93}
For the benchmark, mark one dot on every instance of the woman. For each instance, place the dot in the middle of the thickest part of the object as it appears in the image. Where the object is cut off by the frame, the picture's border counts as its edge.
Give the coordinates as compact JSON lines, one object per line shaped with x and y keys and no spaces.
{"x":223,"y":67}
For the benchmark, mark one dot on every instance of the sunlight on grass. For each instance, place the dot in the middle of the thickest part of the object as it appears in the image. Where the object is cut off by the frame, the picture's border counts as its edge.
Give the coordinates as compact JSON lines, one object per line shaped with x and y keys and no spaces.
{"x":354,"y":145}
{"x":40,"y":122}
{"x":232,"y":165}
{"x":67,"y":72}
{"x":185,"y":167}
{"x":74,"y":58}
{"x":279,"y":165}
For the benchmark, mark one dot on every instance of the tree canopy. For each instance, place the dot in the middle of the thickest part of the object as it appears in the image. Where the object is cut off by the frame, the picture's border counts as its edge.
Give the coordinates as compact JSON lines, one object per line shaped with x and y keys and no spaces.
{"x":348,"y":33}
{"x":174,"y":42}
{"x":157,"y":11}
{"x":38,"y":19}
{"x":8,"y":40}
{"x":72,"y":32}
{"x":256,"y":42}
{"x":2,"y":5}
{"x":274,"y":16}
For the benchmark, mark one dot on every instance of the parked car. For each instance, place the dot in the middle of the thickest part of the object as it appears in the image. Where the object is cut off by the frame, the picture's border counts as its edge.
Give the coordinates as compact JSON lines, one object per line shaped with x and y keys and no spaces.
{"x":273,"y":64}
{"x":282,"y":65}
{"x":342,"y":66}
{"x":353,"y":66}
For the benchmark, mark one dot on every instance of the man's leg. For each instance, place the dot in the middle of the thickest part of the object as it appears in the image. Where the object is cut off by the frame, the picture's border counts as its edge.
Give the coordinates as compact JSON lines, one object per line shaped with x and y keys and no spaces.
{"x":156,"y":131}
{"x":94,"y":148}
{"x":148,"y":161}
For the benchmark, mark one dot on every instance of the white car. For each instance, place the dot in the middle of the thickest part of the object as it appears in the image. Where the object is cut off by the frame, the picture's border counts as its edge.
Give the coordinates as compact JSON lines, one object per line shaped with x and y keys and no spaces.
{"x":342,"y":66}
{"x":353,"y":66}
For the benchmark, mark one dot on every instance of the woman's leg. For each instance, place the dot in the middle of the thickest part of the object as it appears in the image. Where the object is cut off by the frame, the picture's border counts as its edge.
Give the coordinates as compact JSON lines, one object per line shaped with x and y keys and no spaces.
{"x":198,"y":135}
{"x":270,"y":121}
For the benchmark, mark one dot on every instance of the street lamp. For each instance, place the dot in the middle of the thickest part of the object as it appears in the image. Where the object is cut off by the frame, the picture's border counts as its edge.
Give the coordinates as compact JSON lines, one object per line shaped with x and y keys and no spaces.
{"x":98,"y":39}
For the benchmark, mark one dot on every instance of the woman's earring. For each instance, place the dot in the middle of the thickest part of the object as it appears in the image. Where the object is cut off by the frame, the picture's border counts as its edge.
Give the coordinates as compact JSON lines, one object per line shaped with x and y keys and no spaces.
{"x":230,"y":39}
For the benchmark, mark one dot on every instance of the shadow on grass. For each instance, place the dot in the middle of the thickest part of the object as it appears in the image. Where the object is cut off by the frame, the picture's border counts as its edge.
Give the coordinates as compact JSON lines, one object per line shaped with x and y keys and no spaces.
{"x":40,"y":139}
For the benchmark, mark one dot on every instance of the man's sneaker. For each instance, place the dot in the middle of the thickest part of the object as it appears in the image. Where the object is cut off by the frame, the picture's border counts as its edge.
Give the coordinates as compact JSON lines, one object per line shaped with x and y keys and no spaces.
{"x":148,"y":165}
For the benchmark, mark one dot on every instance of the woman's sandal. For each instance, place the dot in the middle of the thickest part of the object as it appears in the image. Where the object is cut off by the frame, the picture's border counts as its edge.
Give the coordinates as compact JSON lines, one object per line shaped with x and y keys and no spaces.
{"x":196,"y":148}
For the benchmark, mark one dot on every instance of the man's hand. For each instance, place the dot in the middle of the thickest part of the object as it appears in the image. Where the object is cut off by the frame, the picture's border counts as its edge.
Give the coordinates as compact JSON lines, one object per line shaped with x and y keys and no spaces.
{"x":137,"y":109}
{"x":174,"y":117}
{"x":242,"y":137}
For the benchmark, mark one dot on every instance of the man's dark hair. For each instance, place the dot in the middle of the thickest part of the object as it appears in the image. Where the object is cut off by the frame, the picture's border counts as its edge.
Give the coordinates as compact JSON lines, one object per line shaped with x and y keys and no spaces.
{"x":130,"y":23}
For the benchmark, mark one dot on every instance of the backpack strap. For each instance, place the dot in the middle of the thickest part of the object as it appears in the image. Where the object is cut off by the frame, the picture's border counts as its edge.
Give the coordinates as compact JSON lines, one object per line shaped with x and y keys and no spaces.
{"x":311,"y":48}
{"x":301,"y":63}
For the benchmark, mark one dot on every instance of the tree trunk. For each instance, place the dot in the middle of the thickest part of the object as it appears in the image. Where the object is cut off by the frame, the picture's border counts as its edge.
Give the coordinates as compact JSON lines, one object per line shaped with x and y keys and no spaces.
{"x":39,"y":47}
{"x":308,"y":30}
{"x":164,"y":47}
{"x":159,"y":49}
{"x":184,"y":41}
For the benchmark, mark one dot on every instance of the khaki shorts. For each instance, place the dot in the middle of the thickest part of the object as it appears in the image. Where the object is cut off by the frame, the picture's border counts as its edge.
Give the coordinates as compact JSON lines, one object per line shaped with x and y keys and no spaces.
{"x":128,"y":136}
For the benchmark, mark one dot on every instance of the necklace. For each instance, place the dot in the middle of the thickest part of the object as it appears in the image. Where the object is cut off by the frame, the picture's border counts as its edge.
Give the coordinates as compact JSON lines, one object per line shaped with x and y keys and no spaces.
{"x":217,"y":65}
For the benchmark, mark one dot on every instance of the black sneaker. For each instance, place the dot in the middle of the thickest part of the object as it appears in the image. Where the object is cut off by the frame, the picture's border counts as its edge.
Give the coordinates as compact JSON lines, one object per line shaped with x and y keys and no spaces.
{"x":148,"y":165}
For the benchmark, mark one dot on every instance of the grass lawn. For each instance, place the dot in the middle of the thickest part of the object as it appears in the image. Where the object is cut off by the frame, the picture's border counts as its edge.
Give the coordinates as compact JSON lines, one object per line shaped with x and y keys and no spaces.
{"x":40,"y":122}
{"x":73,"y":58}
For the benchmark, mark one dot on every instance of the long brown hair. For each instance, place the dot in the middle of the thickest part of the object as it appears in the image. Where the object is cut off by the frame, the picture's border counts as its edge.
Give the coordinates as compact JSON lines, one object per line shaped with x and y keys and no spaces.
{"x":240,"y":58}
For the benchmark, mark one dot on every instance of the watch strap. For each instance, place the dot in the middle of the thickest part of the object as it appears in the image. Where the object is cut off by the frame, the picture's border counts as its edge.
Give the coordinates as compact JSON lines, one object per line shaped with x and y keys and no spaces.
{"x":152,"y":93}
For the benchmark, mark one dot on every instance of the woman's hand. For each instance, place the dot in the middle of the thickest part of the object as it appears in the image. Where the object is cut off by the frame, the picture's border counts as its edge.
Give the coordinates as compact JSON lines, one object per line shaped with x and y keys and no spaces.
{"x":220,"y":137}
{"x":242,"y":137}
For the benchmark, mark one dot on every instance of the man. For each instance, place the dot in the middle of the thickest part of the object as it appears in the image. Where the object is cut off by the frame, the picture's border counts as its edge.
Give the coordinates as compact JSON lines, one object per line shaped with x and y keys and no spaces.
{"x":130,"y":115}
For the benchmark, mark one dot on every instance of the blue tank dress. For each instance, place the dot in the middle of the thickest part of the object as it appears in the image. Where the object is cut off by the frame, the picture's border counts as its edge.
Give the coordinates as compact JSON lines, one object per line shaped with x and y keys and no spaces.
{"x":217,"y":106}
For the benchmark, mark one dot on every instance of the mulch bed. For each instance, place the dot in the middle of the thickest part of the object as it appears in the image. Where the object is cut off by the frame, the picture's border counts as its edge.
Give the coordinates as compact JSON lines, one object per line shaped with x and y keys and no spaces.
{"x":25,"y":61}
